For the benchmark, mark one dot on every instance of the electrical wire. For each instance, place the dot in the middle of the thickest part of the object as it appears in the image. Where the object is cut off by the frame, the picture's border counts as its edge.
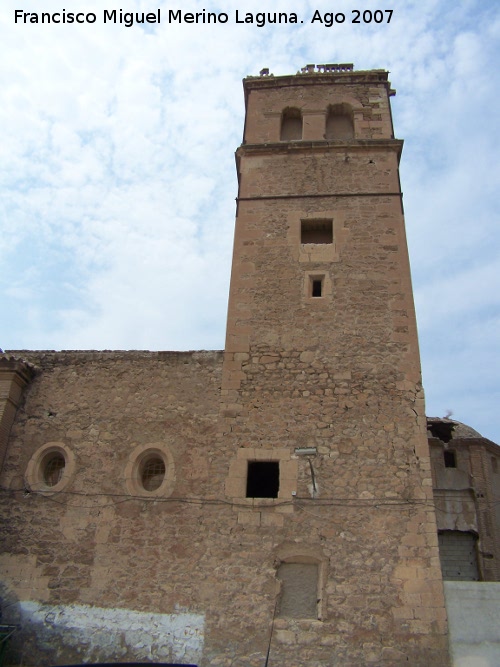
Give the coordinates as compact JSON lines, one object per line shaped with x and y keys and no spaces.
{"x":61,"y":498}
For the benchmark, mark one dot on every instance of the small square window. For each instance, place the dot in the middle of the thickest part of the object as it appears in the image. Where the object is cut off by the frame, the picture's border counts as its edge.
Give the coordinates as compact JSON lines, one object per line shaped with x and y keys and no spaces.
{"x":450,"y":459}
{"x":263,"y":479}
{"x":316,"y":231}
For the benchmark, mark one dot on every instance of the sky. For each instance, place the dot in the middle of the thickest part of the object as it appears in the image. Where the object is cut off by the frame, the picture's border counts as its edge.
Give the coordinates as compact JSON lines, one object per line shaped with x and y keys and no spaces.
{"x":118,"y":181}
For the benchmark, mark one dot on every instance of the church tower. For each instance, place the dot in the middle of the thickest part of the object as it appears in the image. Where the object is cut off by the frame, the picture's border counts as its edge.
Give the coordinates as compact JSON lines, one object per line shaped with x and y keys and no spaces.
{"x":287,"y":521}
{"x":323,"y":423}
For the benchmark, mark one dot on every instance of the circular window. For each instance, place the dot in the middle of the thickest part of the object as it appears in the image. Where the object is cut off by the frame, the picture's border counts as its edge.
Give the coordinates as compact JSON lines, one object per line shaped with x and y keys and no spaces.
{"x":50,"y":468}
{"x":150,"y":471}
{"x":153,"y":473}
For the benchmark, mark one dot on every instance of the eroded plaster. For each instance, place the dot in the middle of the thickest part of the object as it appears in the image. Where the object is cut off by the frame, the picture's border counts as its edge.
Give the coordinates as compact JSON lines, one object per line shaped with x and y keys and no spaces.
{"x":114,"y":634}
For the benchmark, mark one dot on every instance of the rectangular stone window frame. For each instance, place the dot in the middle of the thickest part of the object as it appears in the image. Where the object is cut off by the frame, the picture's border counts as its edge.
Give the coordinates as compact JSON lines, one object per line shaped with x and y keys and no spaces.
{"x":263,"y":479}
{"x":316,"y":252}
{"x":316,"y":231}
{"x":311,"y":278}
{"x":236,"y":481}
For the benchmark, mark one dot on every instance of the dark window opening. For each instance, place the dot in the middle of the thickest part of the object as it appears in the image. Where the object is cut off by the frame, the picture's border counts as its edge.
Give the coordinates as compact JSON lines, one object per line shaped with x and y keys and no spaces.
{"x":494,"y":464}
{"x":53,"y":469}
{"x":263,"y":479}
{"x":450,"y":459}
{"x":316,"y":231}
{"x":153,"y":474}
{"x":317,"y":287}
{"x":441,"y":429}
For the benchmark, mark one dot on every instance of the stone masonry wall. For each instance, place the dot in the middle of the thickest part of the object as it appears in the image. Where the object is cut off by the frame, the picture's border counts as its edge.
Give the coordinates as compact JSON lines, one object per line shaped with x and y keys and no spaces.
{"x":332,"y":376}
{"x":366,"y":95}
{"x":467,"y":496}
{"x":338,"y":376}
{"x":93,"y":545}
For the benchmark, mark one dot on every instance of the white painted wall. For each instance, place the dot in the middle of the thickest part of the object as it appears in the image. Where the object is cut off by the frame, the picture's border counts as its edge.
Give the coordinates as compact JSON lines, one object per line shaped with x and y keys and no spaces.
{"x":113,"y":634}
{"x":474,"y":623}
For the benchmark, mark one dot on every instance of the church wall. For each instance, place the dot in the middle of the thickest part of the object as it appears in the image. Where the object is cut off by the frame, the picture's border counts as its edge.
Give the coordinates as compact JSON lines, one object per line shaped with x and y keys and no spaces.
{"x":466,"y":494}
{"x":92,"y":572}
{"x":326,"y":390}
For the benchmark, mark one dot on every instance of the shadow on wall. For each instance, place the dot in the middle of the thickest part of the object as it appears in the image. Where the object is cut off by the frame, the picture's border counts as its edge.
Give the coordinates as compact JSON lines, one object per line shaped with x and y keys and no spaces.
{"x":9,"y":623}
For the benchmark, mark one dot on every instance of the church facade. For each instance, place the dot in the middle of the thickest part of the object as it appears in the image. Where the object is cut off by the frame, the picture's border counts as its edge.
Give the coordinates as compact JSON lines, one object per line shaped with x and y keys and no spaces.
{"x":271,"y":504}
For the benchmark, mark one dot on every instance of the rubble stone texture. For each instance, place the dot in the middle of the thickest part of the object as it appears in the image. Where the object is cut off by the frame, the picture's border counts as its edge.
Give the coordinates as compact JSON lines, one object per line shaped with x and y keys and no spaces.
{"x":327,"y":385}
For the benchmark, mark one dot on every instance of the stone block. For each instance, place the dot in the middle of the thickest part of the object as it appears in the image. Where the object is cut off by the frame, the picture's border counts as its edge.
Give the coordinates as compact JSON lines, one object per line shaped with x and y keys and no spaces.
{"x":248,"y":518}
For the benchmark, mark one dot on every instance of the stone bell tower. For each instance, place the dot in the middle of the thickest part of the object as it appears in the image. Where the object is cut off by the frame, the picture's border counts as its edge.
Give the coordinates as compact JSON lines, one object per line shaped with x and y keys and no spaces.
{"x":322,"y":413}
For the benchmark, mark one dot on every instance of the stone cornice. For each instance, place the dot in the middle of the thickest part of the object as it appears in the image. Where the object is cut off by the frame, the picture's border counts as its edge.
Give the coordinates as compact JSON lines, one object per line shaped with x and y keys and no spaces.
{"x":17,"y":366}
{"x":300,"y":146}
{"x":377,"y":76}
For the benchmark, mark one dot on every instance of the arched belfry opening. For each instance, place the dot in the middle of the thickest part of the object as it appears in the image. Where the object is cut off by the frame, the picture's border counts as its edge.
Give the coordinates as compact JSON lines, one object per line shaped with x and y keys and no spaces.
{"x":339,"y":123}
{"x":291,"y":124}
